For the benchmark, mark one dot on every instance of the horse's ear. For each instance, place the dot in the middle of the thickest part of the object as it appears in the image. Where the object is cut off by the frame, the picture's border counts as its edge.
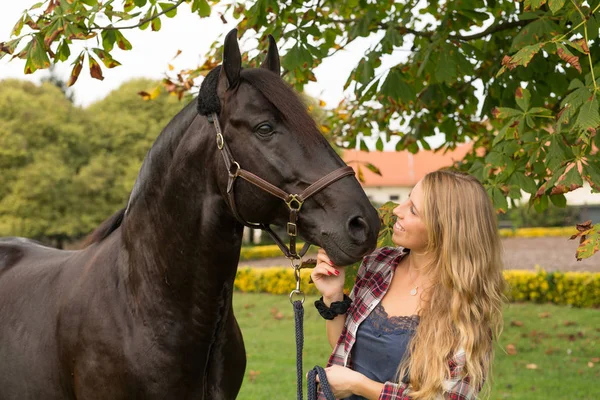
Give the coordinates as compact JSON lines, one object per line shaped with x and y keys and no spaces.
{"x":272,"y":61}
{"x":232,"y":61}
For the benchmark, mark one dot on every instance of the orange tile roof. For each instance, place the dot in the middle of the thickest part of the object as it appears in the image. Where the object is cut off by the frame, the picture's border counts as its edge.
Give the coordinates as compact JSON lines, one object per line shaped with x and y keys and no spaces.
{"x":402,"y":168}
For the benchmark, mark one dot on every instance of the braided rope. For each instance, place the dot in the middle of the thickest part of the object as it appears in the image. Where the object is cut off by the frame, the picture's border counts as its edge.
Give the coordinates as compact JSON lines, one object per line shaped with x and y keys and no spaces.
{"x":312,"y":374}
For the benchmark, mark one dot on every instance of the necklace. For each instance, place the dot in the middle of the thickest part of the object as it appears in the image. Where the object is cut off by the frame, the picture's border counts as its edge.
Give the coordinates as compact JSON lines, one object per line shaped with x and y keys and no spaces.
{"x":413,"y":291}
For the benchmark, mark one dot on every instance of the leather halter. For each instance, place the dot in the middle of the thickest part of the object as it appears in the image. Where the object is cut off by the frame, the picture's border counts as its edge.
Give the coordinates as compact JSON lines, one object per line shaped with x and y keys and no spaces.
{"x":293,"y":201}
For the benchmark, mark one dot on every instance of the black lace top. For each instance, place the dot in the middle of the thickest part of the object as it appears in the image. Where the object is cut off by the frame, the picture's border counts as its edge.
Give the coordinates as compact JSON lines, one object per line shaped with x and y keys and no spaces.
{"x":381,"y":343}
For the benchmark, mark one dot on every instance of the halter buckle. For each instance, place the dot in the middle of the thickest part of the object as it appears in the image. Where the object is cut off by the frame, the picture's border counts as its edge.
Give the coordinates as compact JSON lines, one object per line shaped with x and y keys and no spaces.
{"x":220,"y":141}
{"x":292,"y":229}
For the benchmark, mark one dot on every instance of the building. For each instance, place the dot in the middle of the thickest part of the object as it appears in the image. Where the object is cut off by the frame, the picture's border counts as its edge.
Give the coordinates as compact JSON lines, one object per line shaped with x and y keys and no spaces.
{"x":400,"y":171}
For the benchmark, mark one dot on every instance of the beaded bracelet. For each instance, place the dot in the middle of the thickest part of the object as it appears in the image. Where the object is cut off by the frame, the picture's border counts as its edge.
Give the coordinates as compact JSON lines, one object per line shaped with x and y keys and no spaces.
{"x":336,"y":308}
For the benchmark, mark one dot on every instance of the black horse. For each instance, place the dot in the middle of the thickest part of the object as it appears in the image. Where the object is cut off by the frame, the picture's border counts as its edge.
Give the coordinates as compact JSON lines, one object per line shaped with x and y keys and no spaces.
{"x":145,"y":311}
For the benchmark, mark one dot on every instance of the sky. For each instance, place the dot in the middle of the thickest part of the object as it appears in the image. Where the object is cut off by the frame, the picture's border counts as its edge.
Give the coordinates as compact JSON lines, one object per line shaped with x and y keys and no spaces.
{"x":153,"y":51}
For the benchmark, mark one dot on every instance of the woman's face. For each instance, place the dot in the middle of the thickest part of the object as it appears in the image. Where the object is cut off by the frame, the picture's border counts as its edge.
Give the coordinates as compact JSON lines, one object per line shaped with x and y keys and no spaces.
{"x":410,"y":230}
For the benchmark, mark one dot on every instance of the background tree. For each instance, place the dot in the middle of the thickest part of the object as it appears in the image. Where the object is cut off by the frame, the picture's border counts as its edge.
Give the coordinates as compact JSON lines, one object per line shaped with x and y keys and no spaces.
{"x":519,"y":79}
{"x":66,"y":169}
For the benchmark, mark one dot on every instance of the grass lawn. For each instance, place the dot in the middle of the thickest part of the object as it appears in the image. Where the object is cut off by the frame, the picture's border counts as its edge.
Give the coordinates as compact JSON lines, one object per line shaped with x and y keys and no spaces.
{"x":555,"y":350}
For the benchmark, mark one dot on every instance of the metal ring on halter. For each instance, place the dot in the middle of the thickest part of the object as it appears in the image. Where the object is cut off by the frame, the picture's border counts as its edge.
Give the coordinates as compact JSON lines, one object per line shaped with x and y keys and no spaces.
{"x":299,"y":293}
{"x":294,"y":198}
{"x":236,"y":167}
{"x":220,"y":141}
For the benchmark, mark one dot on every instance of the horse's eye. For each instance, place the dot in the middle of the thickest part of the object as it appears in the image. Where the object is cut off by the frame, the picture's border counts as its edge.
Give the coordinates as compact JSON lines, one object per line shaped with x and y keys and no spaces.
{"x":264,"y":129}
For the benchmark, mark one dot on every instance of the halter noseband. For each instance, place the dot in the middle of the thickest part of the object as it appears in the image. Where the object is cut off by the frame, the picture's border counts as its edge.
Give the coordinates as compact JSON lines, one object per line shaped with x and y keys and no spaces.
{"x":293,"y":201}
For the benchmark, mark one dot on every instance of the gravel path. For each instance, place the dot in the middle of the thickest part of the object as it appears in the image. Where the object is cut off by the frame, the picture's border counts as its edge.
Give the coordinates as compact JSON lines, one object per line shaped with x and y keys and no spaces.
{"x":550,"y":253}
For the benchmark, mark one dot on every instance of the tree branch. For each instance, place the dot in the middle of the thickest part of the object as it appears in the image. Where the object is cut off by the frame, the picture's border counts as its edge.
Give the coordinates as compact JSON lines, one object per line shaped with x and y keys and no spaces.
{"x":142,"y":21}
{"x":492,"y":29}
{"x":501,"y":26}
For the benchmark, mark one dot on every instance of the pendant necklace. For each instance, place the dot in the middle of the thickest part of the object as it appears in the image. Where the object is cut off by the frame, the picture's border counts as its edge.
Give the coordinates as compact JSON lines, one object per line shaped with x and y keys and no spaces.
{"x":414,"y":290}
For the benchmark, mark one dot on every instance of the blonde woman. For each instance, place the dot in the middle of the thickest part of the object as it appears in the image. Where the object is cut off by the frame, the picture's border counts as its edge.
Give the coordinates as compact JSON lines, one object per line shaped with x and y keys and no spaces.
{"x":422,"y":318}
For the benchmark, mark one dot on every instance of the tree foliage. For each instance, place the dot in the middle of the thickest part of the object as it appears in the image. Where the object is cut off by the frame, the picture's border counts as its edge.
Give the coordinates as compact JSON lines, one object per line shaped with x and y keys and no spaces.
{"x":65,"y":169}
{"x":518,"y":79}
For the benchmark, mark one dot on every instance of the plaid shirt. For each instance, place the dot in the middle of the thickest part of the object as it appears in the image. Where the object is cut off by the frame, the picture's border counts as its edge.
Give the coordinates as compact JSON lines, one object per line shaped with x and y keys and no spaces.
{"x":372,"y":282}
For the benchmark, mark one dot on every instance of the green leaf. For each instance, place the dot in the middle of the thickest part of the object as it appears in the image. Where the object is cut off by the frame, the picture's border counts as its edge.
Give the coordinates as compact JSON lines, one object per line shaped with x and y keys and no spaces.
{"x":106,"y":58}
{"x":591,"y":173}
{"x":156,"y":24}
{"x":540,"y":203}
{"x":166,"y":6}
{"x":121,"y":41}
{"x":16,"y":31}
{"x":395,"y":87}
{"x":525,"y":182}
{"x":202,"y":7}
{"x":534,"y":4}
{"x":373,"y":169}
{"x":37,"y":57}
{"x":500,"y":201}
{"x":109,"y":38}
{"x":495,"y":159}
{"x":505,"y":112}
{"x":559,"y":200}
{"x":554,"y":154}
{"x":140,"y":3}
{"x":522,"y":97}
{"x":556,"y":5}
{"x":62,"y":52}
{"x":588,"y":115}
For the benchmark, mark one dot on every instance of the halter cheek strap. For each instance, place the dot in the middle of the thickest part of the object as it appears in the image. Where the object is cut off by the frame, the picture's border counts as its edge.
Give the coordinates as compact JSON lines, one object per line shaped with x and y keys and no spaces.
{"x":293,"y":201}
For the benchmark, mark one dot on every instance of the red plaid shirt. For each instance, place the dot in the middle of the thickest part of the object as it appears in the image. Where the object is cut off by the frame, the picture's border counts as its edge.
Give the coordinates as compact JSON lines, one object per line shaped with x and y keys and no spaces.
{"x":372,"y":282}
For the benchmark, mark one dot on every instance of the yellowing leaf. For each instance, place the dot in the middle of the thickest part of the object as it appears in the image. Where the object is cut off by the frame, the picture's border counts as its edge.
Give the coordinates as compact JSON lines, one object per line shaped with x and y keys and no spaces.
{"x":531,"y":366}
{"x":95,"y":69}
{"x":78,"y":65}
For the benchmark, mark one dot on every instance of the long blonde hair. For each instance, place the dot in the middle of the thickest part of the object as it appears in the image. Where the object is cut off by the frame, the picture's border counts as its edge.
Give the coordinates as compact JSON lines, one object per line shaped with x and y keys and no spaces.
{"x":463,"y":307}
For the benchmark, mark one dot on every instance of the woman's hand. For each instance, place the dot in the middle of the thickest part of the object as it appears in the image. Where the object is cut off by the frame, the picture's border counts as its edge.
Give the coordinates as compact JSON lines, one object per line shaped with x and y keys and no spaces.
{"x":328,"y":278}
{"x":342,"y":380}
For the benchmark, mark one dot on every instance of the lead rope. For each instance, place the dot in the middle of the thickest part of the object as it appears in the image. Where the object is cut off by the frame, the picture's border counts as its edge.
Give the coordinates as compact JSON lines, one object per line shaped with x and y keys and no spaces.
{"x":299,"y":324}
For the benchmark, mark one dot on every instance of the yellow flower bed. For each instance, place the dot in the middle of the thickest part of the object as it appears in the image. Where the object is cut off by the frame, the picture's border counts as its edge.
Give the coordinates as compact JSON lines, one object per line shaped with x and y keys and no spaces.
{"x":266,"y":251}
{"x":565,"y":231}
{"x":269,"y":251}
{"x":577,"y":289}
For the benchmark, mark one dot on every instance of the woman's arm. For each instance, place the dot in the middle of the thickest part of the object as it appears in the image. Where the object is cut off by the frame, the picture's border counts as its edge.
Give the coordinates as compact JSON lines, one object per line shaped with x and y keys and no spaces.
{"x":335,"y":326}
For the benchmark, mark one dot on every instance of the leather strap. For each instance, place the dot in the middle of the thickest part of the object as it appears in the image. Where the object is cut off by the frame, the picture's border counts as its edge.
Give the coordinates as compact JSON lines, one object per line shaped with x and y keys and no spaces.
{"x":293,"y":201}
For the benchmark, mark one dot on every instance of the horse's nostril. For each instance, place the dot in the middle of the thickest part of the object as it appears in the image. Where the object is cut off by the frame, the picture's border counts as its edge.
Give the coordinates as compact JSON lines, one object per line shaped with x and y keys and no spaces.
{"x":358,"y":228}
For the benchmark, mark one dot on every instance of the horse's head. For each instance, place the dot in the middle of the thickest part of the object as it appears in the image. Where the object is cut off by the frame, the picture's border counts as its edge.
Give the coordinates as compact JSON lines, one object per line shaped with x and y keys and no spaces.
{"x":269,"y":133}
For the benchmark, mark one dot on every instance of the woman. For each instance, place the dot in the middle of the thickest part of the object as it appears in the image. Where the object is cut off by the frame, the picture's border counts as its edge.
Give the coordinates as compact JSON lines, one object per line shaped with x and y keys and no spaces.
{"x":423,"y":316}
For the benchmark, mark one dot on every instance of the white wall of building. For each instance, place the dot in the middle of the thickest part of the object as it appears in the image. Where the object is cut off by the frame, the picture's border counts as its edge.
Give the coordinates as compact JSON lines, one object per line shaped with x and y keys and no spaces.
{"x":383,"y":194}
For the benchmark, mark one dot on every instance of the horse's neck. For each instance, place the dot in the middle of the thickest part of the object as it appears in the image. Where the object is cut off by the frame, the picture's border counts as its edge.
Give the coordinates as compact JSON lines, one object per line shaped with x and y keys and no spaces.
{"x":182,"y":242}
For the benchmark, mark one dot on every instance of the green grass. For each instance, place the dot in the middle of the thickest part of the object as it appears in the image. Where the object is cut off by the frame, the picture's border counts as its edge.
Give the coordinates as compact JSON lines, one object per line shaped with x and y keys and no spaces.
{"x":560,"y":343}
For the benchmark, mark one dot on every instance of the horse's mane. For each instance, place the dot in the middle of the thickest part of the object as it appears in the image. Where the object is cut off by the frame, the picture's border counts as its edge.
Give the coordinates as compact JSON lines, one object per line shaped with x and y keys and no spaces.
{"x":269,"y":84}
{"x":105,"y":228}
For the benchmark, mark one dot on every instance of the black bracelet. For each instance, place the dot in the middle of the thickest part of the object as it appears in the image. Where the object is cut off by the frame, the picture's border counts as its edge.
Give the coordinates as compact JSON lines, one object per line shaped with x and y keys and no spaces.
{"x":336,"y":308}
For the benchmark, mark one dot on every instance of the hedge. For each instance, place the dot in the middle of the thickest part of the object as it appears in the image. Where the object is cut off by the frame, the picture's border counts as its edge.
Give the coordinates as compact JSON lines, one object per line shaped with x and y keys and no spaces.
{"x":577,"y":289}
{"x":269,"y":251}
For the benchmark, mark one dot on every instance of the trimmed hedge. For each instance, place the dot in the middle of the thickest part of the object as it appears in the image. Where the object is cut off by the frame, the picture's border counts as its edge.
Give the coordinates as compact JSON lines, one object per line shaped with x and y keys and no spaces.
{"x":577,"y":289}
{"x":269,"y":251}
